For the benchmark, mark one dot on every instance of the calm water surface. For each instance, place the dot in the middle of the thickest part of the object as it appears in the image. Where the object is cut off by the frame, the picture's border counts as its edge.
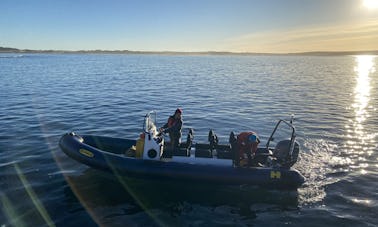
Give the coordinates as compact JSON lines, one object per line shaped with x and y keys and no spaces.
{"x":42,"y":96}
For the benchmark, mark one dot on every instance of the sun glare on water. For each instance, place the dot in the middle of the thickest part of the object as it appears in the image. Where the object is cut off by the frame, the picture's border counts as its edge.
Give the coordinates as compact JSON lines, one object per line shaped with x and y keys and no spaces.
{"x":365,"y":66}
{"x":370,"y":4}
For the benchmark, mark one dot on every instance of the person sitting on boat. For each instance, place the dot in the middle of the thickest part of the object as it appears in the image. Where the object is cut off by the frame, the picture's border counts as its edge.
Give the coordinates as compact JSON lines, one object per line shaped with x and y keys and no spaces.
{"x":247,"y":143}
{"x":173,"y":128}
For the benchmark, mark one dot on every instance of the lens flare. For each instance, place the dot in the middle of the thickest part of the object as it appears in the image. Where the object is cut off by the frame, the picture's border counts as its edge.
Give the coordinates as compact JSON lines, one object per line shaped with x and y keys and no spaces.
{"x":34,"y":198}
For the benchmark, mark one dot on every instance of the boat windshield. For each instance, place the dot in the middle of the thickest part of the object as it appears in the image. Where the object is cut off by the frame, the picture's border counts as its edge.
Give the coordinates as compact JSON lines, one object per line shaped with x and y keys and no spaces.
{"x":283,"y":131}
{"x":150,"y":121}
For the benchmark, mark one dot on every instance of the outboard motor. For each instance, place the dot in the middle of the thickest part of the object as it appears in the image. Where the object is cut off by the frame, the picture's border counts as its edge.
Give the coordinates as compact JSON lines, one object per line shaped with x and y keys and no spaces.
{"x":282,"y":154}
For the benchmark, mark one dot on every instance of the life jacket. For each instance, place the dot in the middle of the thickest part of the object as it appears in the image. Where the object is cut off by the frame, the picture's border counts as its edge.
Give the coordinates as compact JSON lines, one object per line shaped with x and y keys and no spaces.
{"x":245,"y":145}
{"x":243,"y":137}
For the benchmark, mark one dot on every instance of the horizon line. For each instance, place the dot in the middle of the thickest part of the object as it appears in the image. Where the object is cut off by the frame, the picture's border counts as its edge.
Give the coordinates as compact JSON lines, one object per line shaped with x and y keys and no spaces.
{"x":346,"y":52}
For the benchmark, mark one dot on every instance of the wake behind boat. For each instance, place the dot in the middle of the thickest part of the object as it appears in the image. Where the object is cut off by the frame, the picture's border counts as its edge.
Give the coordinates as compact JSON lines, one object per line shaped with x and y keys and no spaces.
{"x":150,"y":157}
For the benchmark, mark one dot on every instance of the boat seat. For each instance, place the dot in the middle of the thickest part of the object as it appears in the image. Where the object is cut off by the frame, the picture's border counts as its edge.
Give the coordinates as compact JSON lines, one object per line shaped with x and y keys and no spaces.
{"x":213,"y":139}
{"x":224,"y":151}
{"x":203,"y":150}
{"x":182,"y":150}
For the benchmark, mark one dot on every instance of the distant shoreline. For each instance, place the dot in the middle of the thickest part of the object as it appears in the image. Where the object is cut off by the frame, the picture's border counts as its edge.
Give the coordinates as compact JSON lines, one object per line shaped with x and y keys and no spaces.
{"x":314,"y":53}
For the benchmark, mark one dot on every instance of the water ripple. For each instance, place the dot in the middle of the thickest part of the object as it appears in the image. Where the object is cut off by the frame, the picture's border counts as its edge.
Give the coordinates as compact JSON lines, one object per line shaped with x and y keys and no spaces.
{"x":334,"y":99}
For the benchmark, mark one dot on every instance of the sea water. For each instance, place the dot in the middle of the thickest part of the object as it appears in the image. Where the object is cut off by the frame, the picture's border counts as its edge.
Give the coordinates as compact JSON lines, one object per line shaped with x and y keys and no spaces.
{"x":43,"y":96}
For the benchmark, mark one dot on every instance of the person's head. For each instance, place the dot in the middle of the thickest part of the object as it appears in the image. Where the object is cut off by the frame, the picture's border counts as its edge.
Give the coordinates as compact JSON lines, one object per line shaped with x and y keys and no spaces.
{"x":178,"y":113}
{"x":253,"y":139}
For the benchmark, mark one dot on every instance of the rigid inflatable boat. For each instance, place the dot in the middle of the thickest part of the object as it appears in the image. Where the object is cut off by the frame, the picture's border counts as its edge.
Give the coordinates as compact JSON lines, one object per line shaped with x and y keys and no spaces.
{"x":150,"y":157}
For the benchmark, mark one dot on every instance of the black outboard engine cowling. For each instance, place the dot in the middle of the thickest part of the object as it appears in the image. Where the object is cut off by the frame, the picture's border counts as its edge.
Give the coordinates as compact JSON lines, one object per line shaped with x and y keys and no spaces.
{"x":282,"y":154}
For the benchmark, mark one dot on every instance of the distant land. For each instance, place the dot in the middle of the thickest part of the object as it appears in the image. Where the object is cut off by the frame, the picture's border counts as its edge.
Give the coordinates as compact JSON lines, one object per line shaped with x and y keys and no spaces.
{"x":314,"y":53}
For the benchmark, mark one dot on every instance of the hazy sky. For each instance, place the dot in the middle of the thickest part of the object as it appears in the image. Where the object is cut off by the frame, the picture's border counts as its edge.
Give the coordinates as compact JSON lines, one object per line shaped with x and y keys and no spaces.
{"x":275,"y":26}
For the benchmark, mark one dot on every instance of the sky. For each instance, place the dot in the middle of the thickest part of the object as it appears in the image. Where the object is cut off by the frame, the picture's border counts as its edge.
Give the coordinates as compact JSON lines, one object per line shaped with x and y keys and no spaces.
{"x":265,"y":26}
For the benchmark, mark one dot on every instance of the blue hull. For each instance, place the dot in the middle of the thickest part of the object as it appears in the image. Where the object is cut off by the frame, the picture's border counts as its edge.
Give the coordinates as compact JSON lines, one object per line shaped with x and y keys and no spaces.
{"x":108,"y":154}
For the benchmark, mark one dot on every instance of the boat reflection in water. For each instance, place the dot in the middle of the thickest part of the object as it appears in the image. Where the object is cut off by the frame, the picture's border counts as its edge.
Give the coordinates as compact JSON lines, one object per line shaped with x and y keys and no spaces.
{"x":96,"y":189}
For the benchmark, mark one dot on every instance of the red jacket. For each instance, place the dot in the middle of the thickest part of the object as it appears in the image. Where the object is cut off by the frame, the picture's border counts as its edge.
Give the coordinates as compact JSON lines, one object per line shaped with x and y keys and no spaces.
{"x":247,"y":143}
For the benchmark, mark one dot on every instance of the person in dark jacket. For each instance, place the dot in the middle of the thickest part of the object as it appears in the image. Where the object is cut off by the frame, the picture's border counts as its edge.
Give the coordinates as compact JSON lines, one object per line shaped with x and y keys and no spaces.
{"x":173,"y":127}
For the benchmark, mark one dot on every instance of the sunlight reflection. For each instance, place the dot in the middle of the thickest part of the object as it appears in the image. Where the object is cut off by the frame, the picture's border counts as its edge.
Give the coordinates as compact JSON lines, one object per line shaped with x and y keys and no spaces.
{"x":362,"y":201}
{"x":358,"y":137}
{"x":365,"y":65}
{"x":363,"y":172}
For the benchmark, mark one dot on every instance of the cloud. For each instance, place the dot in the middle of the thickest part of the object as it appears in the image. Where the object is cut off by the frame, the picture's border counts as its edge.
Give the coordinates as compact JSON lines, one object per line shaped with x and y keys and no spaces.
{"x":346,"y":37}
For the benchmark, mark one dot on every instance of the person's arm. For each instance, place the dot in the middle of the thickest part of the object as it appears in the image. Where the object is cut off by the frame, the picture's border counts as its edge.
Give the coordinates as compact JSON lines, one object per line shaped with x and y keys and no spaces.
{"x":165,"y":126}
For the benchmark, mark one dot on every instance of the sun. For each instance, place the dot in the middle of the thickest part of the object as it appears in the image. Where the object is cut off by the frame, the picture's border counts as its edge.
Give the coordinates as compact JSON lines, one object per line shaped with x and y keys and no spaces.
{"x":370,"y":4}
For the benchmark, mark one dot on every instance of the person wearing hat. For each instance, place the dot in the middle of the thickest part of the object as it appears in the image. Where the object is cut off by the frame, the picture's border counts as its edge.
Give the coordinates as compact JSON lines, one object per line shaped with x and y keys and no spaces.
{"x":247,"y":143}
{"x":173,"y":127}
